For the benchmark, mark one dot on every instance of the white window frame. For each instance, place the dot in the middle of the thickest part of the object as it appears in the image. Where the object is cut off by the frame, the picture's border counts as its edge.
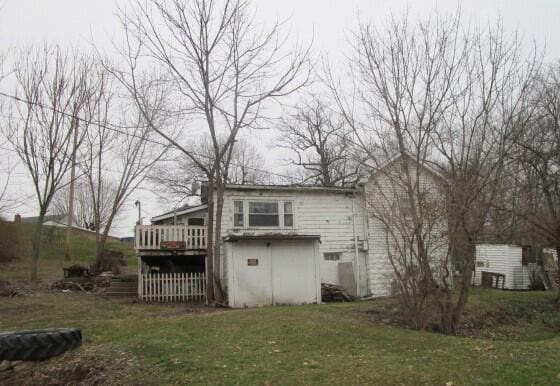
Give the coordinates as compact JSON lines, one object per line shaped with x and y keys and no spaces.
{"x":280,"y":203}
{"x":332,"y":256}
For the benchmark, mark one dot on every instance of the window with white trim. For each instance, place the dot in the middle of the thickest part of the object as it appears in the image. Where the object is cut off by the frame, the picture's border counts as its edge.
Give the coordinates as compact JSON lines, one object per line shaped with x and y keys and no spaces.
{"x":263,"y":214}
{"x":238,"y":214}
{"x":331,"y":256}
{"x":288,"y":214}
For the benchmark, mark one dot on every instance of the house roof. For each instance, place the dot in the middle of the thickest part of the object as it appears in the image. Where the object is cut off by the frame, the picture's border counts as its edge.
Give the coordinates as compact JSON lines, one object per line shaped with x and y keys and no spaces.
{"x":57,"y":218}
{"x":270,"y":236}
{"x":390,"y":161}
{"x":180,"y":211}
{"x":294,"y":187}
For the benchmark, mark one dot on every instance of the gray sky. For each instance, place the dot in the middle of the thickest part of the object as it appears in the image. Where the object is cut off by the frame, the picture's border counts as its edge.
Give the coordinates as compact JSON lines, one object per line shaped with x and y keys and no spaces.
{"x":328,"y":22}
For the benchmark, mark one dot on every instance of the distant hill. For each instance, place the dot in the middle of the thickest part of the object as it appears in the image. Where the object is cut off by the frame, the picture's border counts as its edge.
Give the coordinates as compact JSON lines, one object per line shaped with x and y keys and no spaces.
{"x":16,"y":248}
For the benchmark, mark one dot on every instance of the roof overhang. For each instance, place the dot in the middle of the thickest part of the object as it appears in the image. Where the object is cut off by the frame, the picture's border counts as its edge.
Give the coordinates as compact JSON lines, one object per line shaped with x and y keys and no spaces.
{"x":270,"y":237}
{"x":425,"y":165}
{"x":298,"y":188}
{"x":180,"y":212}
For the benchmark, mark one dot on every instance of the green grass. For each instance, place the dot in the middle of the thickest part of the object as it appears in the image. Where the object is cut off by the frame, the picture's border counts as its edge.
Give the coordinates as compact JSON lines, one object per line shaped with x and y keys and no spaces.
{"x":335,"y":344}
{"x":51,"y":259}
{"x":509,"y":337}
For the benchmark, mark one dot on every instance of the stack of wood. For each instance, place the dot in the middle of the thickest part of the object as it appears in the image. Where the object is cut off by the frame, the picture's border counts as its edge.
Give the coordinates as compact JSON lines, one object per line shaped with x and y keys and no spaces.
{"x":335,"y":293}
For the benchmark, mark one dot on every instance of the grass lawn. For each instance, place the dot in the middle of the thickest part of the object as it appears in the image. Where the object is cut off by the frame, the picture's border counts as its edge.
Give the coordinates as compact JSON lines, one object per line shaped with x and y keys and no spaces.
{"x":510,"y":337}
{"x":335,"y":344}
{"x":51,"y":259}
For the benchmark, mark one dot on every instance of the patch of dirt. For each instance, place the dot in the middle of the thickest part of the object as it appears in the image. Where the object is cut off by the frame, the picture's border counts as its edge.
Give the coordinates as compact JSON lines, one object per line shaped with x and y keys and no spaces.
{"x":88,"y":365}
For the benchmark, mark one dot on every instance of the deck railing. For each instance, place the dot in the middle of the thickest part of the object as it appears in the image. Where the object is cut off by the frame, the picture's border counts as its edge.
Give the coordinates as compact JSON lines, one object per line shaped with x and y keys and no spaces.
{"x":172,"y":287}
{"x":151,"y":237}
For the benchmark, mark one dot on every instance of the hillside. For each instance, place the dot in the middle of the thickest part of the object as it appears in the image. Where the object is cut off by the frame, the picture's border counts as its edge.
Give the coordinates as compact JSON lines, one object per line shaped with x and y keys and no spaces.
{"x":15,"y":259}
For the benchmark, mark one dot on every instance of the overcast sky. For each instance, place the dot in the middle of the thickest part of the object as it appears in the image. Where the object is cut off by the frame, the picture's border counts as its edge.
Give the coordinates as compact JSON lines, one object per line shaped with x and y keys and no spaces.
{"x":327,"y":22}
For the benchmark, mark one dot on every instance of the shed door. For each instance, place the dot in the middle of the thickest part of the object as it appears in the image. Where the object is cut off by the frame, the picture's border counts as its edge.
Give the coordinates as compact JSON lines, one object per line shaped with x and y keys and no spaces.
{"x":293,"y":272}
{"x":251,"y":274}
{"x":282,"y":272}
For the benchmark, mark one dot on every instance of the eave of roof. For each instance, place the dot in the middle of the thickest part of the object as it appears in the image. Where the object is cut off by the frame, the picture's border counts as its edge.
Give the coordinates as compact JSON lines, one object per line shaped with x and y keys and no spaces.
{"x":270,"y":236}
{"x":309,"y":188}
{"x":390,"y":161}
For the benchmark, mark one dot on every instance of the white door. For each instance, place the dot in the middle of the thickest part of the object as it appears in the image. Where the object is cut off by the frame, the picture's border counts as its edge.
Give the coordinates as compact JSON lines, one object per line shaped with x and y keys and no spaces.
{"x":275,"y":272}
{"x":251,"y":274}
{"x":294,"y":279}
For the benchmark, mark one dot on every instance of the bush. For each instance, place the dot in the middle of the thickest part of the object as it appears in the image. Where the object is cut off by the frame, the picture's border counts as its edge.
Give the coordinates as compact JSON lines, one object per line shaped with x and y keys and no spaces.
{"x":9,"y":241}
{"x":111,"y":261}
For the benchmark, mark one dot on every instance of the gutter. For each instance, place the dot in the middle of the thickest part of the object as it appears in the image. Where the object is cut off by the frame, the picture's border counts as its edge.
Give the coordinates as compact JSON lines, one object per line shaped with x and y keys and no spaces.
{"x":357,"y":255}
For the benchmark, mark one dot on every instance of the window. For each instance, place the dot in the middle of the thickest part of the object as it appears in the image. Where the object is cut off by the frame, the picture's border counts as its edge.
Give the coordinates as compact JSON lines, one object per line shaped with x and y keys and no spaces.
{"x":197,"y":221}
{"x":405,"y":207}
{"x":263,"y":214}
{"x":331,"y":256}
{"x":288,"y":214}
{"x":527,"y":255}
{"x":480,"y":263}
{"x":238,"y":213}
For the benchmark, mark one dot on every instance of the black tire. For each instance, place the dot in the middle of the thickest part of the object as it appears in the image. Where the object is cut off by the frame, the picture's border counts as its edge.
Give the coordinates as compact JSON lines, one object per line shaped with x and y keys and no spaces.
{"x":36,"y":345}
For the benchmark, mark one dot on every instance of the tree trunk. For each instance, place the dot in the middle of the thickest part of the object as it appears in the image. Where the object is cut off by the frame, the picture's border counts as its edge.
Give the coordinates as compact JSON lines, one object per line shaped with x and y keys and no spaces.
{"x":37,"y":244}
{"x":558,"y":273}
{"x":101,"y":241}
{"x":218,"y":290}
{"x":210,"y":242}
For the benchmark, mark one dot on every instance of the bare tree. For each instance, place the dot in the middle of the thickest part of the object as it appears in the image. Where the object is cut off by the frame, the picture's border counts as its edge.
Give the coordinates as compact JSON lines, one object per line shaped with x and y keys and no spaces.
{"x":118,"y":152}
{"x":222,"y":69}
{"x":537,"y":155}
{"x":7,"y":201}
{"x":246,"y":165}
{"x":177,"y":179}
{"x":88,"y":212}
{"x":452,"y":97}
{"x":52,"y":90}
{"x":321,"y":144}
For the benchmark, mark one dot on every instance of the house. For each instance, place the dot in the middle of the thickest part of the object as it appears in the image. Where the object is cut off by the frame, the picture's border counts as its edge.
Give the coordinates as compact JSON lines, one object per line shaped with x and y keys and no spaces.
{"x":504,"y":266}
{"x":280,"y":242}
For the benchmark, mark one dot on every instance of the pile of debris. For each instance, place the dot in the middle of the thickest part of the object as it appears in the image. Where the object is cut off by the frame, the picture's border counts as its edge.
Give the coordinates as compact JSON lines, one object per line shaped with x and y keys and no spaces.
{"x":73,"y":284}
{"x":335,"y":293}
{"x":79,"y":278}
{"x":7,"y":289}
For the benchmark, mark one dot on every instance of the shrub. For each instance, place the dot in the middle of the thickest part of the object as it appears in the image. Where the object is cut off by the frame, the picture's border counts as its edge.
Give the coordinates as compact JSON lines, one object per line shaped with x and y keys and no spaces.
{"x":9,"y":241}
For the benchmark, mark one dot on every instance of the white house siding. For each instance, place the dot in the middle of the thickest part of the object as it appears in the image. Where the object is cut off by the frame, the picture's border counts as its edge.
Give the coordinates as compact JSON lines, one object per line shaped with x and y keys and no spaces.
{"x":324,"y":213}
{"x":380,"y":194}
{"x":504,"y":259}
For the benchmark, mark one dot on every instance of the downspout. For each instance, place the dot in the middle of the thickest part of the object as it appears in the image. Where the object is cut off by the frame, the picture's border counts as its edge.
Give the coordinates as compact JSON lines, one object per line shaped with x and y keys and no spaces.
{"x":365,"y":230}
{"x":357,"y":257}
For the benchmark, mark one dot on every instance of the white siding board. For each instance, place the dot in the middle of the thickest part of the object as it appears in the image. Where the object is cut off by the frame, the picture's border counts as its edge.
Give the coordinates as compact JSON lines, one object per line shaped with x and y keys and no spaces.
{"x":380,"y":192}
{"x":504,"y":259}
{"x":327,"y":214}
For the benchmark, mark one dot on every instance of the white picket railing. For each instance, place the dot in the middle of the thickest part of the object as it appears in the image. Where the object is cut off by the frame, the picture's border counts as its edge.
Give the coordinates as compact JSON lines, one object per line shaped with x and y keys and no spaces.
{"x":172,"y":287}
{"x":150,"y":237}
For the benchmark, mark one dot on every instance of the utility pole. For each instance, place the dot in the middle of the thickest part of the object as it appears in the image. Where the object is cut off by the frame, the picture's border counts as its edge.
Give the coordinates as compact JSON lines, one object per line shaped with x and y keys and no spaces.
{"x":69,"y":222}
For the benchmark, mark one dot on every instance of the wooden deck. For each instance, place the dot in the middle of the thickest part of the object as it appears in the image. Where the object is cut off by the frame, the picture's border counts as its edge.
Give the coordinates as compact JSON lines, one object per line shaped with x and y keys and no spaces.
{"x":169,"y":240}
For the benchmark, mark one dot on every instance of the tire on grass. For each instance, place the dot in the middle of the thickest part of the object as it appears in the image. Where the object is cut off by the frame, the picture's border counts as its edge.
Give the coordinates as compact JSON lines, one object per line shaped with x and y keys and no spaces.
{"x":37,"y":345}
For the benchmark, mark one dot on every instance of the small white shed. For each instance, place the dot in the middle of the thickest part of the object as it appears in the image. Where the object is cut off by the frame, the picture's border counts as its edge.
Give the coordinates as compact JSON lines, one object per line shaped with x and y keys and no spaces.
{"x":506,"y":260}
{"x":273,"y":270}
